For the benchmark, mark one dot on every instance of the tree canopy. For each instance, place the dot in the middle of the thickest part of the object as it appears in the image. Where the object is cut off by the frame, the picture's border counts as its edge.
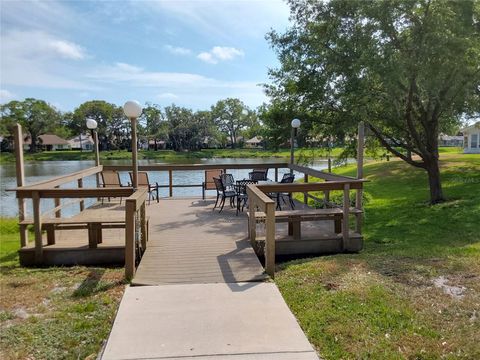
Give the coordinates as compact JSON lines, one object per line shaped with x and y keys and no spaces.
{"x":407,"y":68}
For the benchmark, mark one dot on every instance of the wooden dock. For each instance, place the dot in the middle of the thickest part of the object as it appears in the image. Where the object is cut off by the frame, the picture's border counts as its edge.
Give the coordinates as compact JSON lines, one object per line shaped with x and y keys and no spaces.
{"x":207,"y":296}
{"x":190,"y":243}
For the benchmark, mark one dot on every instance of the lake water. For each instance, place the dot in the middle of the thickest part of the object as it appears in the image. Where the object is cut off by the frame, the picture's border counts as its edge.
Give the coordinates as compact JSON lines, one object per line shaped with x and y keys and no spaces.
{"x":43,"y":170}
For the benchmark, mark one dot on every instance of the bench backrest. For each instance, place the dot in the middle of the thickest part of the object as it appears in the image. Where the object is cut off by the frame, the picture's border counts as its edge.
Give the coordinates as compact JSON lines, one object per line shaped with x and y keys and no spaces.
{"x":209,"y":184}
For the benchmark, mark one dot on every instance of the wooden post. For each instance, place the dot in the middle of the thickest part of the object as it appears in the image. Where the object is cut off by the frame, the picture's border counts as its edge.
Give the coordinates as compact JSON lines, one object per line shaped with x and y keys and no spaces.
{"x":37,"y":224}
{"x":359,"y":193}
{"x":170,"y":182}
{"x":20,"y":173}
{"x":252,"y":224}
{"x":97,"y":156}
{"x":57,"y":202}
{"x":143,"y":224}
{"x":80,"y":185}
{"x":346,"y":211}
{"x":129,"y":239}
{"x":133,"y":121}
{"x":305,"y":196}
{"x":326,"y":197}
{"x":270,"y":239}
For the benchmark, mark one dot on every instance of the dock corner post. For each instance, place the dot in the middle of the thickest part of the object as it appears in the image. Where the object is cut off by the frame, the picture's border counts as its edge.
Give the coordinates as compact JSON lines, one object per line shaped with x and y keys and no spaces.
{"x":345,"y":224}
{"x":143,"y":222}
{"x":305,"y":194}
{"x":20,"y":174}
{"x":270,"y":239}
{"x":37,"y":223}
{"x":359,"y":193}
{"x":251,"y":221}
{"x":129,"y":239}
{"x":170,"y":183}
{"x":80,"y":185}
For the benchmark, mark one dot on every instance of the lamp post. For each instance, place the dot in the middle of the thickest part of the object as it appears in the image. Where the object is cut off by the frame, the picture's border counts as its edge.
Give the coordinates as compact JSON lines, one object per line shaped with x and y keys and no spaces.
{"x":295,"y":125}
{"x":133,"y":110}
{"x":92,"y":126}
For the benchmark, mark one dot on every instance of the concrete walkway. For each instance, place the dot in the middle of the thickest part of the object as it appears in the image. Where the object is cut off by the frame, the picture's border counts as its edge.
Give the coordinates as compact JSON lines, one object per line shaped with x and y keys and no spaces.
{"x":210,"y":302}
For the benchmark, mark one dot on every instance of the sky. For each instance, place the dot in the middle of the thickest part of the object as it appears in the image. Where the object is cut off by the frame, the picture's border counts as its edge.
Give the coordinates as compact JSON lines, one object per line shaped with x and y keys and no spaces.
{"x":188,"y":52}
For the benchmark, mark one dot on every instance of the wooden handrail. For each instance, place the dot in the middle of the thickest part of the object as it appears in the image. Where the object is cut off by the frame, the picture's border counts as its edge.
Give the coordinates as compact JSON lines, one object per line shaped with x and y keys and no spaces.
{"x":60,"y":180}
{"x":185,"y":167}
{"x":135,"y":202}
{"x":319,"y":174}
{"x":306,"y":187}
{"x":258,"y":197}
{"x":75,"y":193}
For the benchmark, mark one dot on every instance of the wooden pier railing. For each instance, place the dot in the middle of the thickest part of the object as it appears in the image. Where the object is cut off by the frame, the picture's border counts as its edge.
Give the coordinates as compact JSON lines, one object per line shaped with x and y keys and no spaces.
{"x":136,"y":231}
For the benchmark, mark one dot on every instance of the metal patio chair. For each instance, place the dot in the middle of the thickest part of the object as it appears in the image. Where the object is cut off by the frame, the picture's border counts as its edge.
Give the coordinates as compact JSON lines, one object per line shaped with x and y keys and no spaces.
{"x":223,"y":193}
{"x":144,"y":181}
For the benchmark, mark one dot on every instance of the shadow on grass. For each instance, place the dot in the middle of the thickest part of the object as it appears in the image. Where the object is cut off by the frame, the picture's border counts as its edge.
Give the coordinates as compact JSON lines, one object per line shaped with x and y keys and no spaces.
{"x":93,"y":284}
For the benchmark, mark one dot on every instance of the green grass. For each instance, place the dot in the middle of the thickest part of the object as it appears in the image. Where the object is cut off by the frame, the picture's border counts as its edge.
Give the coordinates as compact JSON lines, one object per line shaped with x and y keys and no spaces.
{"x":53,"y":313}
{"x":166,"y":155}
{"x":381,"y":303}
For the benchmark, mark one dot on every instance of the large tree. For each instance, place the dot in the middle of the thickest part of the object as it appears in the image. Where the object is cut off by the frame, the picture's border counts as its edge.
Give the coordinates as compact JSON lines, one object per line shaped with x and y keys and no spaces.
{"x":36,"y":116}
{"x":113,"y":127}
{"x":407,"y":68}
{"x":231,"y":116}
{"x":154,"y":125}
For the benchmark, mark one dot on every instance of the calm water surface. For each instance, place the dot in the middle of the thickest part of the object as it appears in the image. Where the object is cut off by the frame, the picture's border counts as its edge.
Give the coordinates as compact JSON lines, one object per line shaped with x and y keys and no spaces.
{"x":43,"y":170}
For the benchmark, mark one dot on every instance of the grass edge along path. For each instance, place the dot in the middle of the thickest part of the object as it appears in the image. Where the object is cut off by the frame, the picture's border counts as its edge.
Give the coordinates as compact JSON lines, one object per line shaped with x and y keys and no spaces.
{"x":55,"y":312}
{"x":414,"y":291}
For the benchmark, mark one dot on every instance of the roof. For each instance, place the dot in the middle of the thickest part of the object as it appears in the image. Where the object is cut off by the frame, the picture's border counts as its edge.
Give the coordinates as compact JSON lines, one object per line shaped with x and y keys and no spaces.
{"x":86,"y":139}
{"x":48,"y":139}
{"x":470,"y":128}
{"x":254,"y":140}
{"x":450,"y":137}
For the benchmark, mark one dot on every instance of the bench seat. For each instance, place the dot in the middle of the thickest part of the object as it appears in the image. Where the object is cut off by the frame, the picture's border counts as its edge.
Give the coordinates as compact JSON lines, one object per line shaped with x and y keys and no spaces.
{"x":295,"y":217}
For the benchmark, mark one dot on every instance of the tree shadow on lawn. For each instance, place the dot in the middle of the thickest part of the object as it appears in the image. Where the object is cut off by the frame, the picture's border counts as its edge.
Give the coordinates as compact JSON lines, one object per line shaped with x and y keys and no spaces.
{"x":93,"y":284}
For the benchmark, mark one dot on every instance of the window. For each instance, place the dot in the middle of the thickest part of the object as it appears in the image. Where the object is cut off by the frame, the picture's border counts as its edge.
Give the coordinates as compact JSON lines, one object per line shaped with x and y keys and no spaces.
{"x":474,"y":142}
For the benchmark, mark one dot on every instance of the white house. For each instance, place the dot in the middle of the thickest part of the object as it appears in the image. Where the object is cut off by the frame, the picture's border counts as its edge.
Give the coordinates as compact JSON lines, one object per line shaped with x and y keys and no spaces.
{"x":82,"y":142}
{"x":47,"y":142}
{"x":471,"y":139}
{"x":254,"y":142}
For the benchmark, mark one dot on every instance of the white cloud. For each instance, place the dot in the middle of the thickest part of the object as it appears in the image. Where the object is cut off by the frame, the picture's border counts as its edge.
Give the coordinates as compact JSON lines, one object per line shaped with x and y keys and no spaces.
{"x":6,"y":96}
{"x":170,"y":96}
{"x":207,"y":57}
{"x":39,"y":59}
{"x":177,"y":50}
{"x":67,"y":49}
{"x":220,"y":53}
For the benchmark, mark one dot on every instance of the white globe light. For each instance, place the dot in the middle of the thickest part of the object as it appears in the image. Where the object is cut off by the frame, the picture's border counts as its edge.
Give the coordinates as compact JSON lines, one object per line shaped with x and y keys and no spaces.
{"x":91,"y":124}
{"x":296,"y":123}
{"x":132,"y":109}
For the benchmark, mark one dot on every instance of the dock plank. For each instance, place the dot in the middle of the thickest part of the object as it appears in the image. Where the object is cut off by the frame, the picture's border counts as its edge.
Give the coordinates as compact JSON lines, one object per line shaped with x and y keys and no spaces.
{"x":190,"y":243}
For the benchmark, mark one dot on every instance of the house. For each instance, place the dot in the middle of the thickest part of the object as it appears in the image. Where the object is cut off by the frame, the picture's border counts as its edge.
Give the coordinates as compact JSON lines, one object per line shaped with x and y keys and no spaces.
{"x":471,"y":139}
{"x":156,"y":145}
{"x":448,"y":140}
{"x":82,"y":142}
{"x":255,"y":142}
{"x":48,"y":142}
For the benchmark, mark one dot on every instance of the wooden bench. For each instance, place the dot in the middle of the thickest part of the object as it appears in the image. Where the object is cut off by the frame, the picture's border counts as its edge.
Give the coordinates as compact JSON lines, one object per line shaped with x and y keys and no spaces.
{"x":295,"y":218}
{"x":94,"y":226}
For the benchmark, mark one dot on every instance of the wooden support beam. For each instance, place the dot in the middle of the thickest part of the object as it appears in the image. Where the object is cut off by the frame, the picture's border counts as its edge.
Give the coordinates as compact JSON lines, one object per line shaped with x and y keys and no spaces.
{"x":58,"y":202}
{"x":80,"y":185}
{"x":359,"y":193}
{"x":37,"y":224}
{"x":170,"y":183}
{"x":305,"y":194}
{"x":129,"y":239}
{"x":346,"y":211}
{"x":269,"y":239}
{"x":143,"y":224}
{"x":20,"y":174}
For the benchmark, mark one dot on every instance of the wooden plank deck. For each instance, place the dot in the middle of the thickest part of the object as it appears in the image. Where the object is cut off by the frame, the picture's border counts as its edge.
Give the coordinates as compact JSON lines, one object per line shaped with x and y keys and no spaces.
{"x":190,"y":243}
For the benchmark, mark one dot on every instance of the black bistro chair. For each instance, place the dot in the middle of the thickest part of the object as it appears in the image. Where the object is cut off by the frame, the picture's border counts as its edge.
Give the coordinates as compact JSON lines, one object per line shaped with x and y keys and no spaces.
{"x":241,"y":189}
{"x":228,"y":181}
{"x":223,"y":193}
{"x":286,"y":179}
{"x":258,"y":175}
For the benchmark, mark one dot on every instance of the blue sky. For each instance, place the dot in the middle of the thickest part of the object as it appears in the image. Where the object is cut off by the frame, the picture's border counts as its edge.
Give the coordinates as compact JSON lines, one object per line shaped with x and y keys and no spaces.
{"x":191,"y":53}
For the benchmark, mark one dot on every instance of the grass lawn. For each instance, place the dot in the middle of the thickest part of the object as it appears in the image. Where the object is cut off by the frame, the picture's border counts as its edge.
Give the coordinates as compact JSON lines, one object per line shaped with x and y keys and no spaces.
{"x":383,"y":302}
{"x":53,"y":313}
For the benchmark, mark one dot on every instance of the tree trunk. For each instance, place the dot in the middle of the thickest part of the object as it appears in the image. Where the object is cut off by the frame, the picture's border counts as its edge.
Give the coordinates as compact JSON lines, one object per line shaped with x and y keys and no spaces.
{"x":33,"y":144}
{"x":436,"y":192}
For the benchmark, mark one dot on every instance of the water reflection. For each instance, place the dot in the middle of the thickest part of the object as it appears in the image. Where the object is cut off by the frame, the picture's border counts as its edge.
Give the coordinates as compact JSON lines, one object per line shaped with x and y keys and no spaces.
{"x":39,"y":171}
